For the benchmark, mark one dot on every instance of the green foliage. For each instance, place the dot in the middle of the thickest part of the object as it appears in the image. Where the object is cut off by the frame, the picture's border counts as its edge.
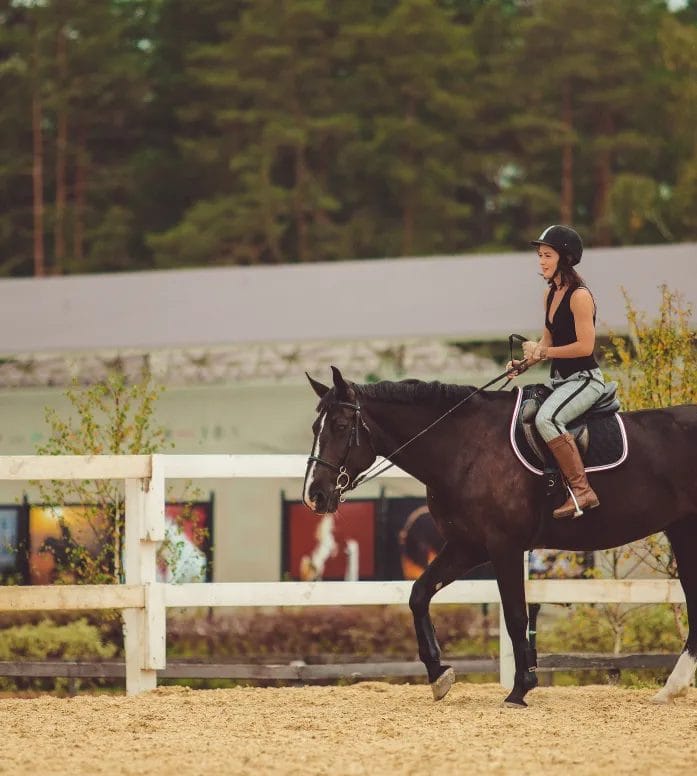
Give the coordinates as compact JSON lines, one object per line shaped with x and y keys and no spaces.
{"x":114,"y":417}
{"x":636,"y":209}
{"x":359,"y":631}
{"x":658,"y":366}
{"x":586,"y":629}
{"x":176,"y":134}
{"x":48,"y":640}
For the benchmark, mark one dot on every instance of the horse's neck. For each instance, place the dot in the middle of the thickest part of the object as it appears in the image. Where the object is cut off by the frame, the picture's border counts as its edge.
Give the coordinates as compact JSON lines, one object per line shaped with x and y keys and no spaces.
{"x":395,"y":425}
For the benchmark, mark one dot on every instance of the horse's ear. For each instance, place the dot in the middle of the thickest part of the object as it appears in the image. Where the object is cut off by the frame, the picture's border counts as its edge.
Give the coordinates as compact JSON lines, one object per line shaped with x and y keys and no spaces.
{"x":318,"y":387}
{"x":342,"y":388}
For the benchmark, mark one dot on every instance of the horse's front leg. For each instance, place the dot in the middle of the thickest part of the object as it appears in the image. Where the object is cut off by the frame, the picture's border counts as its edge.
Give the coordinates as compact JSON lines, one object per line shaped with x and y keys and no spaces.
{"x":509,"y":568}
{"x":451,"y":562}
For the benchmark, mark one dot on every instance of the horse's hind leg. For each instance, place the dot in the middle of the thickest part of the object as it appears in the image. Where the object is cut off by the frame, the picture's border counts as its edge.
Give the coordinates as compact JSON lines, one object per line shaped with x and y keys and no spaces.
{"x":683,"y":538}
{"x":451,"y":562}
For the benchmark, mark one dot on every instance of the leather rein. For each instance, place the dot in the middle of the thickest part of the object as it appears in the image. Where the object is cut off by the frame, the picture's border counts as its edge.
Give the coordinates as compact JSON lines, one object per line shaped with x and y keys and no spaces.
{"x":343,"y":479}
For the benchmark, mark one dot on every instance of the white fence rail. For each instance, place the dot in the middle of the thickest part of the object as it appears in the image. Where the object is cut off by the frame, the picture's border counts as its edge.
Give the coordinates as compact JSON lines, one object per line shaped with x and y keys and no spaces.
{"x":144,"y":600}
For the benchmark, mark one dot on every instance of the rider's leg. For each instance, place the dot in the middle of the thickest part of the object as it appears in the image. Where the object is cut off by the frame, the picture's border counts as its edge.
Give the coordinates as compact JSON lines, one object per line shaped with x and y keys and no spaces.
{"x":566,"y":453}
{"x":569,"y":399}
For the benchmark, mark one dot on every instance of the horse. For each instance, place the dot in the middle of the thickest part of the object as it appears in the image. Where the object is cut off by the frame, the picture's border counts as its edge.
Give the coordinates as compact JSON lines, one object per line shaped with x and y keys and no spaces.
{"x":488,"y":506}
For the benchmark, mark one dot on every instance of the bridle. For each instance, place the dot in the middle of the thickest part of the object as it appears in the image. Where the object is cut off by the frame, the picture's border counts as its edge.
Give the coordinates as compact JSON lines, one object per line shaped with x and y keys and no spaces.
{"x":343,"y":478}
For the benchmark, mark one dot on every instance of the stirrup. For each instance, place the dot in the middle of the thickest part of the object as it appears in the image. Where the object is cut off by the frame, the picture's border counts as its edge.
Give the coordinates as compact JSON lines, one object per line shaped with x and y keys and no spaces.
{"x":578,"y":512}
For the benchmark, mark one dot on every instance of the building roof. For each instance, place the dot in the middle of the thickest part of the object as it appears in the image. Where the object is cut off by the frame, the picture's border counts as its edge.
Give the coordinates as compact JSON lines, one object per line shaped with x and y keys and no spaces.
{"x":469,"y":297}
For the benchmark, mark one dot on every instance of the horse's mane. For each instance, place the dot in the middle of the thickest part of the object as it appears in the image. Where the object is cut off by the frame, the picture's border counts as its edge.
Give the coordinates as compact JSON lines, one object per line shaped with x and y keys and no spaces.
{"x":406,"y":392}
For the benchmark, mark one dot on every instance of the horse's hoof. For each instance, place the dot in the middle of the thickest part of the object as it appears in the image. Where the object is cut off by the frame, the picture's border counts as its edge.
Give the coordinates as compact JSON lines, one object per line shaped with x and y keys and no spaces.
{"x":515,"y":703}
{"x":665,"y":698}
{"x":443,"y":683}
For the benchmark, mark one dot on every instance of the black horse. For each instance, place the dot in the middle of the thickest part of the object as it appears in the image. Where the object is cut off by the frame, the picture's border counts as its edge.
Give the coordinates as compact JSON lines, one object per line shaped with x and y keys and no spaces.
{"x":488,"y":506}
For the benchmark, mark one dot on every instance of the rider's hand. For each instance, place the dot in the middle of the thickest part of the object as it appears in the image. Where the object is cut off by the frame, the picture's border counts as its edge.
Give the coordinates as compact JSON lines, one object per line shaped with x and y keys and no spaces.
{"x":534,"y":352}
{"x":515,"y":368}
{"x":529,"y":348}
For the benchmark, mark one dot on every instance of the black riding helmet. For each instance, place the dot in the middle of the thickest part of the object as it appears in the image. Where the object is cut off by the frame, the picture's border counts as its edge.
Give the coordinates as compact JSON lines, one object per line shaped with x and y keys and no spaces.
{"x":564,"y":240}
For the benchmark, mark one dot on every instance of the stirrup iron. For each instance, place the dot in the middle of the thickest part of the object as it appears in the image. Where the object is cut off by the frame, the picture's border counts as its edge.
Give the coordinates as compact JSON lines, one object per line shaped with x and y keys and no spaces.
{"x":578,"y":511}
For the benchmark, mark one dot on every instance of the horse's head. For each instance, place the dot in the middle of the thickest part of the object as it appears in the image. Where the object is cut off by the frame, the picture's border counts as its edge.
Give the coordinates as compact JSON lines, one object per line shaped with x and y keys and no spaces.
{"x":342,"y":448}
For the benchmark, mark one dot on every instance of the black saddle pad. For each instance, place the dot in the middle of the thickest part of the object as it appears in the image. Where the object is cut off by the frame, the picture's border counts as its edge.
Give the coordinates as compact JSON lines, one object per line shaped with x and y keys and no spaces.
{"x":607,"y":440}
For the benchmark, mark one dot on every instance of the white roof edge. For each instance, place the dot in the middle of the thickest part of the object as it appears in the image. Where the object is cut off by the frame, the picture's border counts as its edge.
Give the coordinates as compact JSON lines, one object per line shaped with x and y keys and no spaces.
{"x":460,"y":297}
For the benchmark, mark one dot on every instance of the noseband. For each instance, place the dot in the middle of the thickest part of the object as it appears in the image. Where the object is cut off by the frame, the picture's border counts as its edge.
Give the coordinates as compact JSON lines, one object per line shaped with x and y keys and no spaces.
{"x":343,"y":479}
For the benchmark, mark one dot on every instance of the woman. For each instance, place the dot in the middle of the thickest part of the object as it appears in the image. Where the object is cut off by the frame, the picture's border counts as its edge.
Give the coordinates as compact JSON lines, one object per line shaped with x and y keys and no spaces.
{"x":568,"y":342}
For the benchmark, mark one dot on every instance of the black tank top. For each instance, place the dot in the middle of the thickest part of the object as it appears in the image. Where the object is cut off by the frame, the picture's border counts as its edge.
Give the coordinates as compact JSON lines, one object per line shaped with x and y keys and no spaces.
{"x":563,"y":331}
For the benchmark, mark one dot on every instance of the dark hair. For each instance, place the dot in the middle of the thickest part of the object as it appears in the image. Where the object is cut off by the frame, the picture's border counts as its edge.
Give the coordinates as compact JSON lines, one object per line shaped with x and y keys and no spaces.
{"x":567,"y":274}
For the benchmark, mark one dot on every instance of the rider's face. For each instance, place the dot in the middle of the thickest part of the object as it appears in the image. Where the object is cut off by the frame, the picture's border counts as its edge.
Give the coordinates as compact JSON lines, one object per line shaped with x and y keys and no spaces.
{"x":549,"y":261}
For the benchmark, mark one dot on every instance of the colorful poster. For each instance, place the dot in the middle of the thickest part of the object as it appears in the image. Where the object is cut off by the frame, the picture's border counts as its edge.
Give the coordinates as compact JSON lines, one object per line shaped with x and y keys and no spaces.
{"x":411,"y":539}
{"x":185,"y":555}
{"x":339,"y":546}
{"x":9,"y":540}
{"x":73,"y":544}
{"x":67,"y":544}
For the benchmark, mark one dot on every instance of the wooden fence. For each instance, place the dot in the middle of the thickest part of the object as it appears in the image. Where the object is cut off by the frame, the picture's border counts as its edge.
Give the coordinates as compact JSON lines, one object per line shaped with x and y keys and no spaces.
{"x":316,"y":670}
{"x":144,"y":600}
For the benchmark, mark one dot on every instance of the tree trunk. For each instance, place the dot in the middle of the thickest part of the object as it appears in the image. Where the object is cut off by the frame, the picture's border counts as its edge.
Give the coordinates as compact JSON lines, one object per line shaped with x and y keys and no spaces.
{"x":603,"y":180}
{"x":38,"y":168}
{"x":408,"y":224}
{"x":299,"y":196}
{"x":567,"y":159}
{"x":408,"y":209}
{"x":80,"y":191}
{"x":61,"y":153}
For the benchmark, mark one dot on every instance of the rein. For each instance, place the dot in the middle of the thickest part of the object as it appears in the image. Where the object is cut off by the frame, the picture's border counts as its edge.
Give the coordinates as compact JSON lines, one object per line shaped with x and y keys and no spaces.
{"x":343,"y":479}
{"x":378,"y":468}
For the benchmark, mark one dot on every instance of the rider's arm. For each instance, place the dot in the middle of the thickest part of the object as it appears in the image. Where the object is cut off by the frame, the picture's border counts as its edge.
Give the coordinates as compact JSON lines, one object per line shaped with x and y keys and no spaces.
{"x":546,"y":339}
{"x":534,"y":351}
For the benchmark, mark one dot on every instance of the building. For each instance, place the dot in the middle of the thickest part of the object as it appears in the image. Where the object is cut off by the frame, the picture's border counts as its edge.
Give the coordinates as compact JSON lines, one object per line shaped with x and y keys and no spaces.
{"x":231,"y":345}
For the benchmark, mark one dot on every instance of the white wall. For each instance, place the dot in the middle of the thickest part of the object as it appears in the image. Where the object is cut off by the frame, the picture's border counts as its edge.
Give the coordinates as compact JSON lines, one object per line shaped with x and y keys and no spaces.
{"x":242,"y":418}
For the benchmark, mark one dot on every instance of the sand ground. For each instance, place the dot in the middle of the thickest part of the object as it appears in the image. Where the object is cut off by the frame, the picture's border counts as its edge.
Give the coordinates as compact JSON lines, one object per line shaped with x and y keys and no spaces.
{"x":368,"y":728}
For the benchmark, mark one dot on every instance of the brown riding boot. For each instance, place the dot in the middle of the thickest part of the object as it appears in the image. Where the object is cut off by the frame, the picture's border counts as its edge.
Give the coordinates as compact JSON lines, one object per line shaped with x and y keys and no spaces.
{"x":569,"y":459}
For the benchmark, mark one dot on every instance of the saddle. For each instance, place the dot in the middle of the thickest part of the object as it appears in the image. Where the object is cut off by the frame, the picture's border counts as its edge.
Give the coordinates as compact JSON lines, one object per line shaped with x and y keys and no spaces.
{"x":599,"y":432}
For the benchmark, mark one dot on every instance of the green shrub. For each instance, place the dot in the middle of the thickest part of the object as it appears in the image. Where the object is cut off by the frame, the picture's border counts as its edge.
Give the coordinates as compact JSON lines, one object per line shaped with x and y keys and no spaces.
{"x":359,"y":631}
{"x":588,"y":629}
{"x":47,"y":640}
{"x":584,"y":629}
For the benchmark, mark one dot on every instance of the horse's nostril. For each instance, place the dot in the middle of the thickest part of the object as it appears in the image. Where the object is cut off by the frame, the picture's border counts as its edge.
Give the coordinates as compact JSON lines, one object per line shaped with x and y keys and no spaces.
{"x":319,"y":500}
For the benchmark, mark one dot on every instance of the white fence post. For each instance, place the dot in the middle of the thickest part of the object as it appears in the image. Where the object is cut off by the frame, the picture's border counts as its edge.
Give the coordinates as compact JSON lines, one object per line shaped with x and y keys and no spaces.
{"x":506,"y":660}
{"x":145,"y":629}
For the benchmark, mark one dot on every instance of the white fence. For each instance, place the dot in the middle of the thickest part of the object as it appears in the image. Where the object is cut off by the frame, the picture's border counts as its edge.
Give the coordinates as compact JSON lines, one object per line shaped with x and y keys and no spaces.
{"x":144,"y":600}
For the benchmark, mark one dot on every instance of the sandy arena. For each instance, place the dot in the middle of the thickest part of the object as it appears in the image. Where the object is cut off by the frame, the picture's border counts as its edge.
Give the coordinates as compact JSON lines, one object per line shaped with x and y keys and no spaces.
{"x":369,"y":728}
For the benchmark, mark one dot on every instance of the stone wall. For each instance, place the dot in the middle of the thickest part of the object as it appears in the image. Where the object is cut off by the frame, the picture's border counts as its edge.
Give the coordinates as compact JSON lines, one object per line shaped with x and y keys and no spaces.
{"x":359,"y":360}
